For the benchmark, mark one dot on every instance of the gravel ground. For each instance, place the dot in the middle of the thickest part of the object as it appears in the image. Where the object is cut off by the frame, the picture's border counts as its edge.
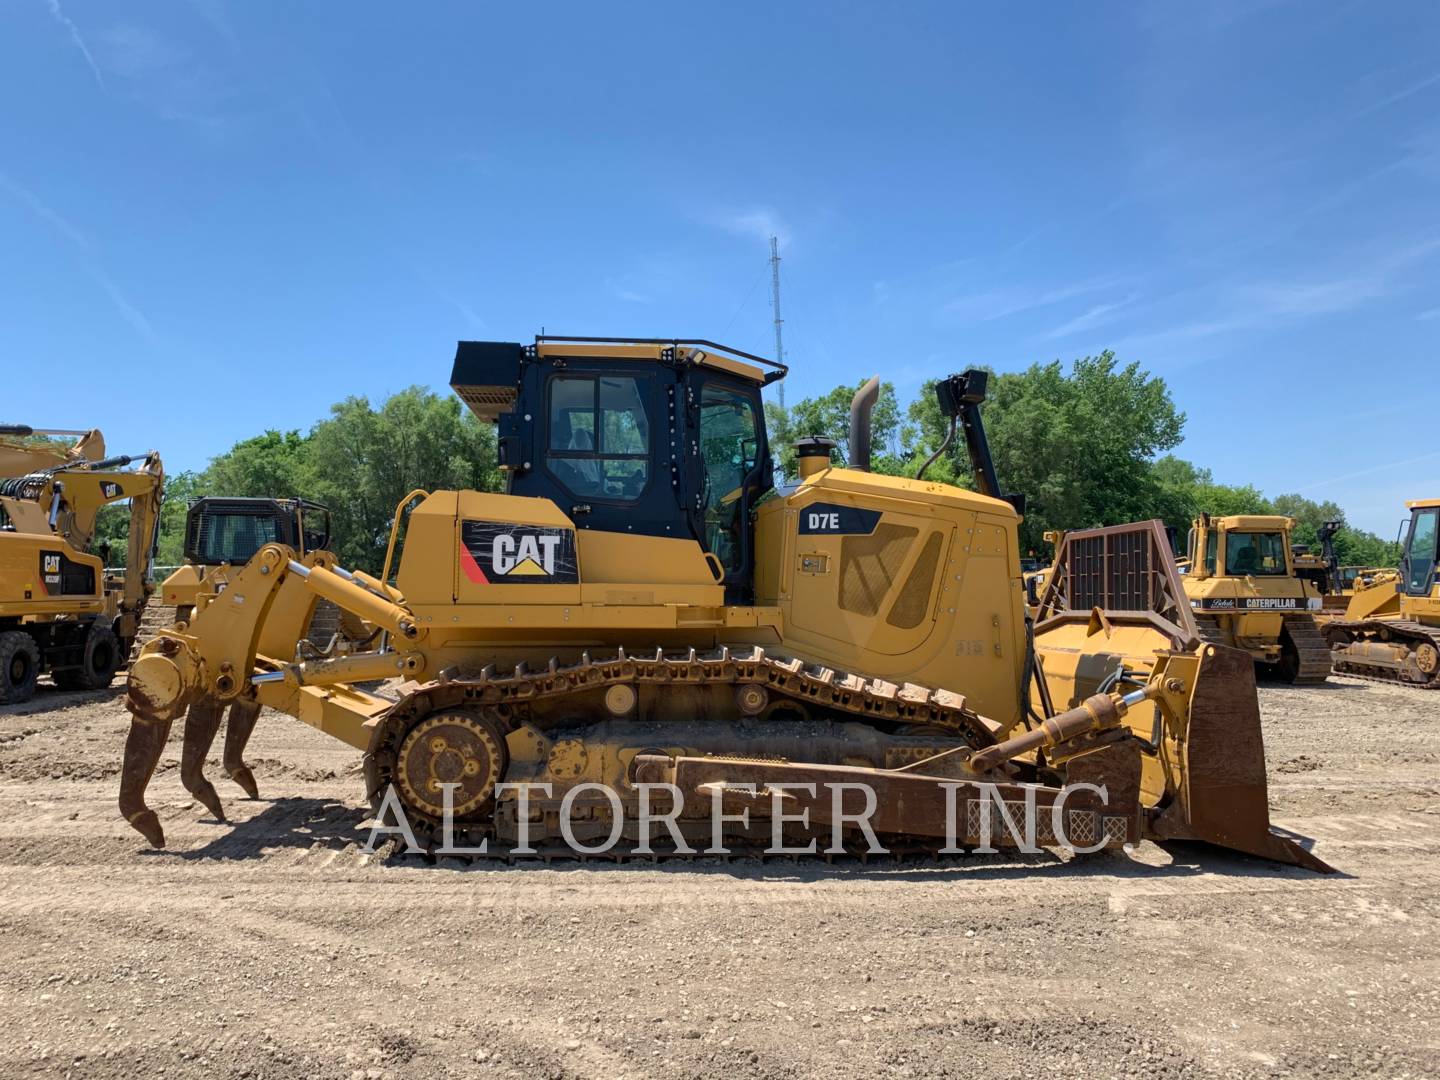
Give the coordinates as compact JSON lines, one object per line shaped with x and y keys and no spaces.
{"x":274,"y":948}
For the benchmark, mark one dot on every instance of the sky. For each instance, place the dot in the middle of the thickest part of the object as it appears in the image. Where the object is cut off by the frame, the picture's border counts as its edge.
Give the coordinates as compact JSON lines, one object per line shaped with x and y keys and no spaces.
{"x":221,"y":218}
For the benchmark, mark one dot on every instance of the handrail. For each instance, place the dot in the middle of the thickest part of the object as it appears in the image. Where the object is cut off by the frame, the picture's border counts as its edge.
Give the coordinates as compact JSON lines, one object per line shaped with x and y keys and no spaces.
{"x":783,"y":369}
{"x":418,"y":493}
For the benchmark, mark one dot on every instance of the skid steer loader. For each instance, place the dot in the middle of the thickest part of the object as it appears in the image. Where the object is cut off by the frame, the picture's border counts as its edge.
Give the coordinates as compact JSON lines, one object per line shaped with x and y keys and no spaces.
{"x":644,"y":624}
{"x":1391,"y":628}
{"x":59,"y":611}
{"x":1244,"y":589}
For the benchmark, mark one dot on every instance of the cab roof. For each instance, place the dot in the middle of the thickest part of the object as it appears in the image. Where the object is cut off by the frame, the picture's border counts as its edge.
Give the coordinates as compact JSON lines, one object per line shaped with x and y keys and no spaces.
{"x":486,"y":374}
{"x":1421,"y":504}
{"x":1253,"y":521}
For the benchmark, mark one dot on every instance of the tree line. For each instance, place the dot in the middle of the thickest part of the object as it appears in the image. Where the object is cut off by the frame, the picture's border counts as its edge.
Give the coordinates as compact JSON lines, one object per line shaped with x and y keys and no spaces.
{"x":1088,"y":446}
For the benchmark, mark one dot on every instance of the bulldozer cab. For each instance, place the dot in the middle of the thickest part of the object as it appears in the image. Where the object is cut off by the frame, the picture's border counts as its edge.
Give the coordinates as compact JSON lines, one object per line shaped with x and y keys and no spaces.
{"x":1248,"y":545}
{"x":1419,"y":559}
{"x":652,"y":438}
{"x":223,"y":531}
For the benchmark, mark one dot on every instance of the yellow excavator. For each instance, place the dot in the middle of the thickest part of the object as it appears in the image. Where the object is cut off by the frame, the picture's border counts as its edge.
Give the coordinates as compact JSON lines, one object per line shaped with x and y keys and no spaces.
{"x":644,"y":621}
{"x":24,"y":449}
{"x":1391,"y":628}
{"x":1242,"y":585}
{"x":58,"y":609}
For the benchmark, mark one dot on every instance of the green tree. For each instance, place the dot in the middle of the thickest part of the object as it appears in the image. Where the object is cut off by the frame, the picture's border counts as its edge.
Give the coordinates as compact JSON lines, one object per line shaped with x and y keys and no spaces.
{"x":362,"y":461}
{"x":1080,"y":445}
{"x":268,"y":466}
{"x":829,"y":416}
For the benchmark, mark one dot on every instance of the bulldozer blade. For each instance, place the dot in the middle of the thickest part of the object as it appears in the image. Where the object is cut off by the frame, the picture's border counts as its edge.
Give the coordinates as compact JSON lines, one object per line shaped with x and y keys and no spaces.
{"x":143,"y":747}
{"x":1223,"y":799}
{"x":201,"y":724}
{"x":238,"y":729}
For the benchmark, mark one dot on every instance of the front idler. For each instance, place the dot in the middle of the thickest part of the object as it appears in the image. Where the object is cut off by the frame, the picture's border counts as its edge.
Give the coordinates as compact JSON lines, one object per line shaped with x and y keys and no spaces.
{"x":201,"y":725}
{"x":238,"y":729}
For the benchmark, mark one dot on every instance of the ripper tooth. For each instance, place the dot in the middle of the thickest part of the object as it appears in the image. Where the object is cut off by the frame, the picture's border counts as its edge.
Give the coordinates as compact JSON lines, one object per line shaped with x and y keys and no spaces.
{"x":238,"y":730}
{"x":201,"y":724}
{"x":143,"y":747}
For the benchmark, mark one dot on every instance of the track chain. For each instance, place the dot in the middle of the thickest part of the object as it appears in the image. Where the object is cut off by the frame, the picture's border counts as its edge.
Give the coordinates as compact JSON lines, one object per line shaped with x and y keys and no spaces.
{"x":1210,"y":632}
{"x":1405,"y":630}
{"x":506,"y":696}
{"x":1312,"y":648}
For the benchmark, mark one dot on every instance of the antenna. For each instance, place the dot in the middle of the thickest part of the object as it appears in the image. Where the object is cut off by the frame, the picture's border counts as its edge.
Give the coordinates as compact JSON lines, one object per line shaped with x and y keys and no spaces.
{"x":775,"y":303}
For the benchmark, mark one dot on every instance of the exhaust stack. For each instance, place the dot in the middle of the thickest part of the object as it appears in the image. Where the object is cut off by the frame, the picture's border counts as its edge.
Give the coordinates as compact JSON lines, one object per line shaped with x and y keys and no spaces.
{"x":860,"y":408}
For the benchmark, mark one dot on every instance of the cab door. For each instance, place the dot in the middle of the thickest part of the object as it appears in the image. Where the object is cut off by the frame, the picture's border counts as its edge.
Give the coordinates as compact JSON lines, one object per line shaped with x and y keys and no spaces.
{"x":728,"y":470}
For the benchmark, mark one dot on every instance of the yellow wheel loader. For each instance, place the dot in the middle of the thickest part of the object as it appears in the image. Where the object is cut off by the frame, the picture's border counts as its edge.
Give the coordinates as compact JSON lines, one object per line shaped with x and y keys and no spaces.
{"x":1242,"y":586}
{"x":1391,"y":629}
{"x":644,"y":629}
{"x":223,"y":532}
{"x":59,"y":611}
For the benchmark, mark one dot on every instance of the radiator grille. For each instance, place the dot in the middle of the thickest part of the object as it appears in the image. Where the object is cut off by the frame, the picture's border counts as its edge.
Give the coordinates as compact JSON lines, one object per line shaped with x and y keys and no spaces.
{"x":913,"y":602}
{"x":869,"y":564}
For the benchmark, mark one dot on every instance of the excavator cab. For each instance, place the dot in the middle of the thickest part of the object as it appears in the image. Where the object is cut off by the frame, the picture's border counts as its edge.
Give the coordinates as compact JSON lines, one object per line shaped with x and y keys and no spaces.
{"x":652,"y":438}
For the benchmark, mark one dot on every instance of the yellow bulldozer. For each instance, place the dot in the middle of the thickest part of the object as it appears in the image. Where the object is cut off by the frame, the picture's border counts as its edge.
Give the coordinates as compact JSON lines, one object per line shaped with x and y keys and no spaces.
{"x":59,"y":610}
{"x":1391,"y":628}
{"x":644,"y":629}
{"x":1243,"y":588}
{"x":223,"y":532}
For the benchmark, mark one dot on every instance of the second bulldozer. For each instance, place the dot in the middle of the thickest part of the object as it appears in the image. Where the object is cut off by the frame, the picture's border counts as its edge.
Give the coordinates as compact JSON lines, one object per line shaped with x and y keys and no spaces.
{"x":1391,"y":629}
{"x":224,"y":532}
{"x":1242,"y":585}
{"x":644,"y":614}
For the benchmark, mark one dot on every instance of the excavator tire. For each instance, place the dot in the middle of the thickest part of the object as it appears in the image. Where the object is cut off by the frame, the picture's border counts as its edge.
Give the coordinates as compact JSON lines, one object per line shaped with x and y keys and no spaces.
{"x":99,"y":663}
{"x":1304,"y":655}
{"x":19,"y":667}
{"x":1419,"y":669}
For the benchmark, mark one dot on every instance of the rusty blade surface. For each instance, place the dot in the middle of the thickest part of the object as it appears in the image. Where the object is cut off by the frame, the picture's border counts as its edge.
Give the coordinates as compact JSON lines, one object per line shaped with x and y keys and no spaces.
{"x":1224,"y":798}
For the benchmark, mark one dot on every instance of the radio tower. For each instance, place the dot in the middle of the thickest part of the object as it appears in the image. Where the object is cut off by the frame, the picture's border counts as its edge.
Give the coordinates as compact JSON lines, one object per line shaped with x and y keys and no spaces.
{"x":775,"y":303}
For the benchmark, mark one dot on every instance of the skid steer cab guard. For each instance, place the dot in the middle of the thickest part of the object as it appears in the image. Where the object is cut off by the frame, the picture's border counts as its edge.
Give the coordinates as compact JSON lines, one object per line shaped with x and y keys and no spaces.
{"x":644,"y":607}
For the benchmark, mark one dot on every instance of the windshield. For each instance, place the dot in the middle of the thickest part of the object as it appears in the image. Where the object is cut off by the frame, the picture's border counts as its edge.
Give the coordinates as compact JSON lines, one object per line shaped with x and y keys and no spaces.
{"x":1420,"y":552}
{"x":1254,"y":553}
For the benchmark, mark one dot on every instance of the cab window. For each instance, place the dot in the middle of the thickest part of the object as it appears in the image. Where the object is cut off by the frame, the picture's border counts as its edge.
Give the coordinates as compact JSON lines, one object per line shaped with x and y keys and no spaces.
{"x":599,"y":436}
{"x":1212,"y":542}
{"x":728,"y":447}
{"x":1420,"y":552}
{"x":1258,"y":553}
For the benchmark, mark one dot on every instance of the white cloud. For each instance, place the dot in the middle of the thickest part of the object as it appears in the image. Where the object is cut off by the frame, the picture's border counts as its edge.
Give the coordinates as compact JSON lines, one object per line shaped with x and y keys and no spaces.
{"x":1401,"y":95}
{"x":1099,"y":315}
{"x":759,"y":222}
{"x":65,"y":21}
{"x":1002,"y":303}
{"x":89,"y":261}
{"x":134,"y":52}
